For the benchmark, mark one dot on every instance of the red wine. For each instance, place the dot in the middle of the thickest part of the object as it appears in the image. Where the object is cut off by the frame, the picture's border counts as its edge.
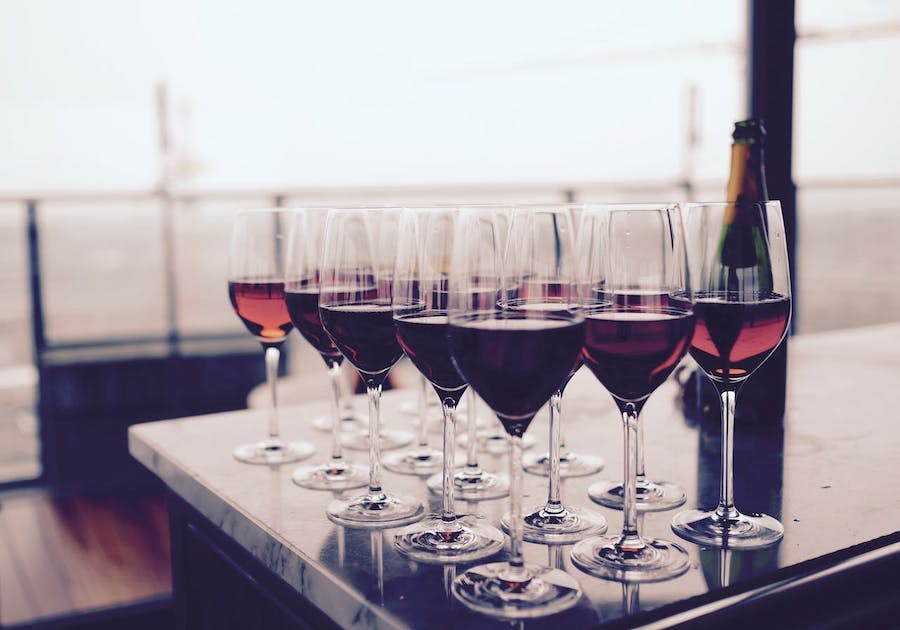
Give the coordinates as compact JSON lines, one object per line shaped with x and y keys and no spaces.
{"x":734,"y":338}
{"x":364,"y":333}
{"x":646,"y":300}
{"x":516,"y":362}
{"x":631,"y":352}
{"x":423,"y":336}
{"x":261,"y":307}
{"x":303,"y":307}
{"x":548,"y":301}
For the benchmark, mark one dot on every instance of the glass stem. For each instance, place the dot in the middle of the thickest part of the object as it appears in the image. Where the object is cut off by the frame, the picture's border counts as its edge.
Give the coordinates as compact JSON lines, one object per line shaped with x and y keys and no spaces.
{"x":564,"y":454}
{"x":516,"y":561}
{"x":631,"y":598}
{"x":273,"y":354}
{"x":472,"y":434}
{"x":346,"y":411}
{"x":423,"y":414}
{"x":726,"y":509}
{"x":639,"y":470}
{"x":374,"y":393}
{"x":630,"y":540}
{"x":554,"y":503}
{"x":448,"y":514}
{"x":334,"y":373}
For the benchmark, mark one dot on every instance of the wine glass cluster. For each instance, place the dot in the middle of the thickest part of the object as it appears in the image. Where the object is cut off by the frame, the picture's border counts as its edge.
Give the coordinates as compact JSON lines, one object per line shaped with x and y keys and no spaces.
{"x":509,"y":301}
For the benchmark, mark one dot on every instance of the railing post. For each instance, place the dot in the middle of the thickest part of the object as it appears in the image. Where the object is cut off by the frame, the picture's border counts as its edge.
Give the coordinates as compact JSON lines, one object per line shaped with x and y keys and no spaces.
{"x":39,"y":341}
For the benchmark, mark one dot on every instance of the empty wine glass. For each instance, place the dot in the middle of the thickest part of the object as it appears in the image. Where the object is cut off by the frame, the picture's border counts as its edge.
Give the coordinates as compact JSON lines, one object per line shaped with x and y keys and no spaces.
{"x":256,"y":289}
{"x":539,"y":265}
{"x":355,"y":308}
{"x":420,"y":316}
{"x":742,"y":300}
{"x":515,"y":359}
{"x":301,"y":285}
{"x":635,"y":335}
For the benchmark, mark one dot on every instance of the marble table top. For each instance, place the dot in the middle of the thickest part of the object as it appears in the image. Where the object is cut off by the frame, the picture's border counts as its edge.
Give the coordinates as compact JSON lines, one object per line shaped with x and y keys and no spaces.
{"x":830,"y":477}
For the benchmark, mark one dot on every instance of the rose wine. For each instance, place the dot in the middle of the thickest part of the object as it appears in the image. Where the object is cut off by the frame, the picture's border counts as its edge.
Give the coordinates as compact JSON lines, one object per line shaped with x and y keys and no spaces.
{"x":631,"y":352}
{"x":515,"y":362}
{"x":364,"y":333}
{"x":303,"y":307}
{"x":734,"y":338}
{"x":261,"y":307}
{"x":423,"y":336}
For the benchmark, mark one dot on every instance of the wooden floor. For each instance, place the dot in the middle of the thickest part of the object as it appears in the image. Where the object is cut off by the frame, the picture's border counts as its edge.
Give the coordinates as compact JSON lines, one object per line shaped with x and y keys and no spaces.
{"x":75,"y":554}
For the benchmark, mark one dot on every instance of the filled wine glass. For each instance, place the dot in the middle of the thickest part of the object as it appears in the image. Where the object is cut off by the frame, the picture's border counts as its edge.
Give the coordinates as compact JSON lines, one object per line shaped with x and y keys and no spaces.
{"x":348,"y":417}
{"x":420,"y":316}
{"x":471,"y":482}
{"x":421,"y":459}
{"x":539,"y":267}
{"x":301,"y":294}
{"x":571,"y":463}
{"x":256,"y":290}
{"x":741,"y":289}
{"x":355,"y":307}
{"x":635,"y":335}
{"x":652,"y":495}
{"x":514,"y":359}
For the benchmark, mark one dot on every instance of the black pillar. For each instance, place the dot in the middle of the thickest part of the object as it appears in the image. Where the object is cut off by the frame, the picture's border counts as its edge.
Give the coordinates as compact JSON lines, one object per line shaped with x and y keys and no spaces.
{"x":771,"y":69}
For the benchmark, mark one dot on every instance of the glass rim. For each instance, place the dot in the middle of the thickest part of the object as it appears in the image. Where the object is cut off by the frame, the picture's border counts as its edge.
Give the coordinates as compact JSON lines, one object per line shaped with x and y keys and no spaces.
{"x":725,"y":204}
{"x":662,"y":205}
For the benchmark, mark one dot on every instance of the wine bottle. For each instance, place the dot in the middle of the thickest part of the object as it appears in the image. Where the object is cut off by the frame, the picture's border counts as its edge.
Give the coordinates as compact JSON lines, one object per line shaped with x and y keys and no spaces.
{"x":744,"y":258}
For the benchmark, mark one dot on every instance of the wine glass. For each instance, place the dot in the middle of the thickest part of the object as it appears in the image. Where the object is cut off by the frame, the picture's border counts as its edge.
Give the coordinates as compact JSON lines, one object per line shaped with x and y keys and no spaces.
{"x":515,"y":359}
{"x":420,"y":460}
{"x":635,"y":335}
{"x":420,"y":316}
{"x":652,"y":495}
{"x":571,"y":463}
{"x":348,"y":417}
{"x":256,"y":290}
{"x":301,"y":294}
{"x":539,"y":267}
{"x":742,"y":300}
{"x":355,"y":307}
{"x":470,"y":481}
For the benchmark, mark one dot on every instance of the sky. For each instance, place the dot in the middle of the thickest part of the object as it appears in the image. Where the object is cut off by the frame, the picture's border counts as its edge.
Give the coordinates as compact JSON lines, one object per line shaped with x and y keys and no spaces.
{"x":302,"y":93}
{"x":311,"y":94}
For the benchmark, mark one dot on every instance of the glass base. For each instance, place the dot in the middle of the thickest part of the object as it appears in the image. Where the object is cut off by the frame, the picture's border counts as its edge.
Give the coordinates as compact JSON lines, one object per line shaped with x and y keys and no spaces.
{"x":495,"y":442}
{"x":422,"y":462}
{"x":571,"y":525}
{"x":437,"y":541}
{"x":570,"y":465}
{"x":273,"y":452}
{"x":482,"y":486}
{"x":332,"y":475}
{"x":656,"y":561}
{"x":376,"y":511}
{"x":487,"y":589}
{"x":389,"y":439}
{"x":652,"y":496}
{"x":745,"y":531}
{"x":349,"y":422}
